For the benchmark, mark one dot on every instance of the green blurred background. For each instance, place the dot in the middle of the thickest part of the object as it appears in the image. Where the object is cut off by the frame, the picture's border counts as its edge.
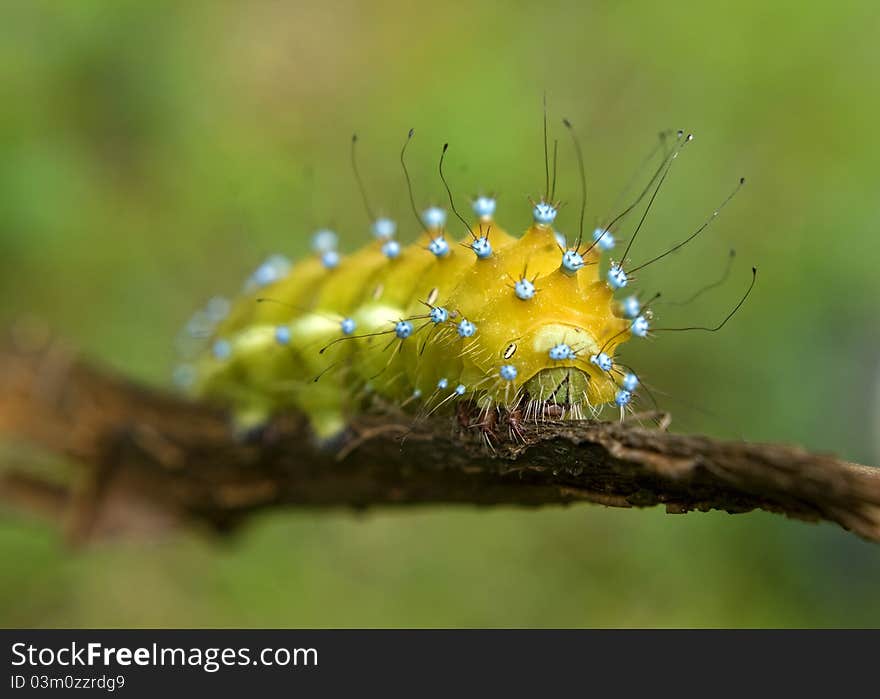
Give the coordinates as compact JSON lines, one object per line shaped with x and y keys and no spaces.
{"x":154,"y":152}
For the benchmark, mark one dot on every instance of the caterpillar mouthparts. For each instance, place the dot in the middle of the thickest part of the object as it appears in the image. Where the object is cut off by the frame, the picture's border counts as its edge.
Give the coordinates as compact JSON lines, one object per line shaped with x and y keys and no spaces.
{"x":524,"y":324}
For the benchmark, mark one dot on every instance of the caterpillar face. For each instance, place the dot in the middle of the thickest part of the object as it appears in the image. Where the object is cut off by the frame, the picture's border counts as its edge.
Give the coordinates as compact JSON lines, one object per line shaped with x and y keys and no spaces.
{"x":523,"y":323}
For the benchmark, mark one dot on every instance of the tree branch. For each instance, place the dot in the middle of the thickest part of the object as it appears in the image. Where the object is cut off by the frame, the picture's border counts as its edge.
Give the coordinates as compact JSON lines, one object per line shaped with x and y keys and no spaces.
{"x":151,"y":460}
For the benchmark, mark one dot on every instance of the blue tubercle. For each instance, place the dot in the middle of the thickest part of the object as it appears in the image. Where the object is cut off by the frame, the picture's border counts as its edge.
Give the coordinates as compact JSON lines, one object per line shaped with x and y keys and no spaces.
{"x":617,"y":278}
{"x":603,"y":361}
{"x":508,"y":372}
{"x":330,"y":259}
{"x":572,"y":261}
{"x":403,"y":329}
{"x":466,"y":328}
{"x":438,"y":315}
{"x":560,"y":352}
{"x":221,"y":349}
{"x":265,"y":275}
{"x":384,"y":228}
{"x":442,"y":383}
{"x":439,"y":247}
{"x":630,"y":382}
{"x":460,"y":389}
{"x":603,"y":238}
{"x":282,"y":335}
{"x":348,"y":326}
{"x":524,"y":289}
{"x":324,"y":240}
{"x":434,"y":217}
{"x":482,"y":247}
{"x":544,"y":213}
{"x":640,"y":326}
{"x":484,"y":207}
{"x":391,"y":249}
{"x":274,"y":268}
{"x":622,"y":397}
{"x":631,"y":307}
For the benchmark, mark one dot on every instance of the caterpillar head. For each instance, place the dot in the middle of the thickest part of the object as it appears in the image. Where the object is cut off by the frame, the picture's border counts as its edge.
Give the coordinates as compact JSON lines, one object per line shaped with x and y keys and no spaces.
{"x":538,"y":314}
{"x":560,"y":368}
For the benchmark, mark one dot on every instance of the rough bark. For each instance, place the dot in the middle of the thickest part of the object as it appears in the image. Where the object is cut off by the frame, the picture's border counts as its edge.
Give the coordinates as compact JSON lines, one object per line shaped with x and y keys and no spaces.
{"x":151,"y":459}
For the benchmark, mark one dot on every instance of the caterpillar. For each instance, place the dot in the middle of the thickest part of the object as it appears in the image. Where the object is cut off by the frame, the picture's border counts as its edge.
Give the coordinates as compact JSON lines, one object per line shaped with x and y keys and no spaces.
{"x":526,"y":324}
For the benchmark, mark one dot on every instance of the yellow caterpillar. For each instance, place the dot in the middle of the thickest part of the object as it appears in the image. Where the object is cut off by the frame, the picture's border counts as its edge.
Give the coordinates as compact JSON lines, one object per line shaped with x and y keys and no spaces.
{"x":496,"y":321}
